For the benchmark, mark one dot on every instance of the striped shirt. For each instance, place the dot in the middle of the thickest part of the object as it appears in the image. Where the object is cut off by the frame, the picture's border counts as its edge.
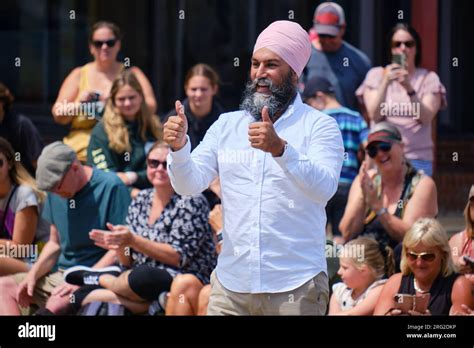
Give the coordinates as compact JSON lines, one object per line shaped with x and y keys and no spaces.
{"x":354,"y":132}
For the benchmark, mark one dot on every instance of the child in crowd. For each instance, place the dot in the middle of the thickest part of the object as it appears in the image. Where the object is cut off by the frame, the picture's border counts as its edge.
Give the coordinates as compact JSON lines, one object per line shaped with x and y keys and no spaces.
{"x":364,"y":268}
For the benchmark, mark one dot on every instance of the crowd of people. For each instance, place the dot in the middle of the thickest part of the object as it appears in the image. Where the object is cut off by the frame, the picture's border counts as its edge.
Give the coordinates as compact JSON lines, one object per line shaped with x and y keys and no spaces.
{"x":229,"y":213}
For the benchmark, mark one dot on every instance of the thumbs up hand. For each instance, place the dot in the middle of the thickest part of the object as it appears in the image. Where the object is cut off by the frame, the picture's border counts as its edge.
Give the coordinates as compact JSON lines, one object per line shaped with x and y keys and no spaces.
{"x":262,"y":135}
{"x":175,"y":129}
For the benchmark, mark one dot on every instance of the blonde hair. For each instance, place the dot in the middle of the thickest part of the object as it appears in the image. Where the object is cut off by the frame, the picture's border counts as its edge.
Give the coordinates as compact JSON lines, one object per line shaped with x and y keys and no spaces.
{"x":429,"y":232}
{"x":114,"y":124}
{"x":379,"y":259}
{"x":18,"y":174}
{"x":468,"y":219}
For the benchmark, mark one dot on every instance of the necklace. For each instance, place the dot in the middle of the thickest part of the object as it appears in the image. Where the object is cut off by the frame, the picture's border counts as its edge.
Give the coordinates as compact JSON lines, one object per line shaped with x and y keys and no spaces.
{"x":418,"y":289}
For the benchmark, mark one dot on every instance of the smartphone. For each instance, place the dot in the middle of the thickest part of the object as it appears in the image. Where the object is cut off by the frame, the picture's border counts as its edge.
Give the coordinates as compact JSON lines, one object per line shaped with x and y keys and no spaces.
{"x":95,"y":96}
{"x":469,"y":260}
{"x":406,"y":302}
{"x":400,"y":59}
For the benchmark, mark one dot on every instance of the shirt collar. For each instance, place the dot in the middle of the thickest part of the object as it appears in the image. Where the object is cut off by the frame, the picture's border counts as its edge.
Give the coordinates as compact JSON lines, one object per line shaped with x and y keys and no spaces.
{"x":297,"y":102}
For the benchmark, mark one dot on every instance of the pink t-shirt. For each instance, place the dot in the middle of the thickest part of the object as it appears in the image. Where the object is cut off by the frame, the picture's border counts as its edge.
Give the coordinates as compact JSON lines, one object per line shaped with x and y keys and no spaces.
{"x":399,"y":110}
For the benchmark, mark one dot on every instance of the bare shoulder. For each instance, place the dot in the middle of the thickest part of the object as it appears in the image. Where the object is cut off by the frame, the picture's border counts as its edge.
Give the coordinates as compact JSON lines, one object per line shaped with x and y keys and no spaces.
{"x":427,"y":183}
{"x":457,"y":238}
{"x":75,"y":74}
{"x":461,"y":284}
{"x":393,"y":283}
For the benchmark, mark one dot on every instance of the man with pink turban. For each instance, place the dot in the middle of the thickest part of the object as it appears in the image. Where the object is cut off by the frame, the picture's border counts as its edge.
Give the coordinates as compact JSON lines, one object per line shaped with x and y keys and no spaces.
{"x":279,"y":162}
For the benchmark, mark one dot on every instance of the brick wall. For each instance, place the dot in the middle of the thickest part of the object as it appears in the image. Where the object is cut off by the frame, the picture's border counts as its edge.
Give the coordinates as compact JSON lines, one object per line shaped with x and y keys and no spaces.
{"x":454,"y":178}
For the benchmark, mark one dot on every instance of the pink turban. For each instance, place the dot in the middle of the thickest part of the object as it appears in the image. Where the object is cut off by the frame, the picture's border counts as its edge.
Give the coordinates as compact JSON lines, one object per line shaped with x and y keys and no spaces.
{"x":289,"y":41}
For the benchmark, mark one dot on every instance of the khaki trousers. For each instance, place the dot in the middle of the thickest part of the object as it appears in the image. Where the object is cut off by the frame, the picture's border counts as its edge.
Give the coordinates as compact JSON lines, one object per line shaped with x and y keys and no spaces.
{"x":311,"y":298}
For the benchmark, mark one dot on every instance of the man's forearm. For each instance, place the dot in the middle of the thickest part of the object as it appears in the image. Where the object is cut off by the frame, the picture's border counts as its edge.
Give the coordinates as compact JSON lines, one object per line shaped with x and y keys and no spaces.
{"x":47,"y":259}
{"x":191,"y":175}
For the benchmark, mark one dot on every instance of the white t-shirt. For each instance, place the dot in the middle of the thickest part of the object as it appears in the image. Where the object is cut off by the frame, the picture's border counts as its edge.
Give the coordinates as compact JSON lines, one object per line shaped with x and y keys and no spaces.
{"x":344,"y":294}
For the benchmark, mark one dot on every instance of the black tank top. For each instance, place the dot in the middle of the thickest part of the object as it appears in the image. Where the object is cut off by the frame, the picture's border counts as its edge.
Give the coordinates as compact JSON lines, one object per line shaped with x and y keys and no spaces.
{"x":373,"y":228}
{"x":440,"y":292}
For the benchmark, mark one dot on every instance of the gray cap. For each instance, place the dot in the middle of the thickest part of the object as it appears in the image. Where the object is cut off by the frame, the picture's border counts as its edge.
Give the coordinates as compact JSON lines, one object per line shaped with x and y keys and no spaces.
{"x":54,"y":161}
{"x":328,"y":19}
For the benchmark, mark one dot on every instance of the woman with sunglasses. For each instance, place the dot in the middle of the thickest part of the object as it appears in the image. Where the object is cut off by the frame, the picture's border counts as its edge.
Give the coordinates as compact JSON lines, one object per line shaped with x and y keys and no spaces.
{"x":22,"y":230}
{"x":462,"y":243}
{"x":121,"y":139}
{"x":384,"y":202}
{"x":166,"y":235}
{"x":83,"y":93}
{"x":406,"y":95}
{"x":427,"y":268}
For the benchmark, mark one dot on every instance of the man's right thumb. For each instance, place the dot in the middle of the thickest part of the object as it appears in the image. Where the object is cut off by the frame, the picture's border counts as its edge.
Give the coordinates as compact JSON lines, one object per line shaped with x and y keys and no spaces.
{"x":179,"y":109}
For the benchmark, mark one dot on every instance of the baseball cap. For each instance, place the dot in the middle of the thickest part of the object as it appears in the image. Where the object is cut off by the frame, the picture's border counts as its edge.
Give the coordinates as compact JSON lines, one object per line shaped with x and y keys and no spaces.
{"x":328,"y":18}
{"x":384,"y":131}
{"x":53,"y":163}
{"x":317,"y":84}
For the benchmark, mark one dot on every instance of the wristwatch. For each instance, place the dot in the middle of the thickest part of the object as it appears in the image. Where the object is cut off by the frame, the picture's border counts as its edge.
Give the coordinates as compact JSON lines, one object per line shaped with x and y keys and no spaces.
{"x":382,"y":211}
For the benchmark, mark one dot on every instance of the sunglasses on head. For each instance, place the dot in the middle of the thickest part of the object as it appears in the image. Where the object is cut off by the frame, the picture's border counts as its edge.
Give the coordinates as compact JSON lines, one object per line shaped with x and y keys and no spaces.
{"x":153,"y":163}
{"x":425,"y":256}
{"x":408,"y":44}
{"x":373,"y":149}
{"x":109,"y":43}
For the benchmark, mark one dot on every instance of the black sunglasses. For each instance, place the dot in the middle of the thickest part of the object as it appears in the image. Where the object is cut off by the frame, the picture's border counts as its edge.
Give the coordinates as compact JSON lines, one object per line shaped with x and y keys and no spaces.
{"x":408,"y":44}
{"x":373,"y":149}
{"x":109,"y":43}
{"x":326,"y":36}
{"x":412,"y":256}
{"x":153,"y":163}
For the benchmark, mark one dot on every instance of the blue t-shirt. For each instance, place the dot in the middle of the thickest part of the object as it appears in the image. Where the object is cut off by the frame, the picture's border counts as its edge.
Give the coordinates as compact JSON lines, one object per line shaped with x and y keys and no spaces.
{"x":354,"y":132}
{"x":104,"y":199}
{"x":345,"y":69}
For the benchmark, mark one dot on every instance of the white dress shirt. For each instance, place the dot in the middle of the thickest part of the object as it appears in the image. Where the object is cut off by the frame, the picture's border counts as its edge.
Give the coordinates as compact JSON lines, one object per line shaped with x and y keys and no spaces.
{"x":273,"y":207}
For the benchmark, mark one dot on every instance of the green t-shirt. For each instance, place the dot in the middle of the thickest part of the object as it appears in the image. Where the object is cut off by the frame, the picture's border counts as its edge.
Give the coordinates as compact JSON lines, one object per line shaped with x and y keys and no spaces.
{"x":101,"y":156}
{"x":104,"y":199}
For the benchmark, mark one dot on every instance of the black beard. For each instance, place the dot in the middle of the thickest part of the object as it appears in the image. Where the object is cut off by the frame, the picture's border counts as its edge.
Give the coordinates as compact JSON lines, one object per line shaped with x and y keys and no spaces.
{"x":277,"y":102}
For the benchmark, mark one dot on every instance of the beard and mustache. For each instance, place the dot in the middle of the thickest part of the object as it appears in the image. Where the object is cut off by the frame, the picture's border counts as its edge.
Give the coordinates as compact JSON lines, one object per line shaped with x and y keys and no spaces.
{"x":277,"y":102}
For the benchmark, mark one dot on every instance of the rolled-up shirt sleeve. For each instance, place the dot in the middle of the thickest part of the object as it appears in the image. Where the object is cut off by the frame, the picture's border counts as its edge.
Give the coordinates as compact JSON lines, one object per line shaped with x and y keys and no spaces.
{"x":192,"y":173}
{"x":316,"y":173}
